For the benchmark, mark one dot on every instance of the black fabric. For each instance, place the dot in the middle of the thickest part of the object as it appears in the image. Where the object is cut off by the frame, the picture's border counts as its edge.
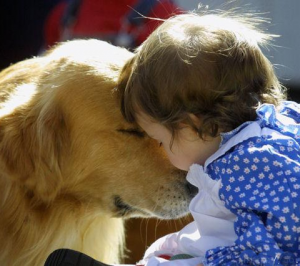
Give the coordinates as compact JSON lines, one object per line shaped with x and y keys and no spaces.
{"x":68,"y":257}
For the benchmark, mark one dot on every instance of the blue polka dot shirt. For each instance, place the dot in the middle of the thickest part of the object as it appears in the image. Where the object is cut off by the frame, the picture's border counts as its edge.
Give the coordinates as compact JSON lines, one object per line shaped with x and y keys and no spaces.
{"x":260,"y":184}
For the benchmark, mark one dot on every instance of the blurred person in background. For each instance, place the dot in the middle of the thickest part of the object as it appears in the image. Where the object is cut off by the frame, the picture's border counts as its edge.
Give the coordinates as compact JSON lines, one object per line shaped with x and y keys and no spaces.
{"x":124,"y":23}
{"x":29,"y":27}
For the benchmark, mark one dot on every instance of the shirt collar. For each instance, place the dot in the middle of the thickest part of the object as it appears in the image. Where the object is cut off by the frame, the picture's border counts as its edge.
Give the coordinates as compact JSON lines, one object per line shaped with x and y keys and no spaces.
{"x":228,"y":135}
{"x":234,"y":137}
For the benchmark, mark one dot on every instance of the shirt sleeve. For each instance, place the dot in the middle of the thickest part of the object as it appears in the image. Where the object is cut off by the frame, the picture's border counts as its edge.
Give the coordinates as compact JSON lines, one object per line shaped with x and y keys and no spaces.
{"x":166,"y":245}
{"x":261,"y":185}
{"x":169,"y":246}
{"x":156,"y":261}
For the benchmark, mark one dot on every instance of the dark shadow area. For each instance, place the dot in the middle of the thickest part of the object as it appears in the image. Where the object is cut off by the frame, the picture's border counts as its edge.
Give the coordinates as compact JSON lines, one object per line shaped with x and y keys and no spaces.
{"x":294,"y":93}
{"x":21,"y":28}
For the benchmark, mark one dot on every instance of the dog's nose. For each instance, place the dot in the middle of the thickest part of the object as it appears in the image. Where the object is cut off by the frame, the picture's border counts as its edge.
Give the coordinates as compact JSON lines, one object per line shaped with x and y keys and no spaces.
{"x":192,"y":190}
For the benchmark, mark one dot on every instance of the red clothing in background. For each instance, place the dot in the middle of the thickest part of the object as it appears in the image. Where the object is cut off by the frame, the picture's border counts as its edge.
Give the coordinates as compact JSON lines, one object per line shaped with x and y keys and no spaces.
{"x":104,"y":19}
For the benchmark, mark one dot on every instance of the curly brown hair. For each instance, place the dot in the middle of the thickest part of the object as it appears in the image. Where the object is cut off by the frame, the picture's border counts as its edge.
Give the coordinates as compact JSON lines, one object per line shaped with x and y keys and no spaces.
{"x":209,"y":65}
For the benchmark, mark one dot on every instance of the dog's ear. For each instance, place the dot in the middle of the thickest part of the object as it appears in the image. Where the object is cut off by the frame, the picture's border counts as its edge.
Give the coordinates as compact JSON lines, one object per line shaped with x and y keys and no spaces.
{"x":33,"y":139}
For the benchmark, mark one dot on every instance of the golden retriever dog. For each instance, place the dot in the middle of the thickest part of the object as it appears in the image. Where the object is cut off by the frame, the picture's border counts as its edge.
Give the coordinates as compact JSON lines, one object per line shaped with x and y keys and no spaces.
{"x":71,"y":168}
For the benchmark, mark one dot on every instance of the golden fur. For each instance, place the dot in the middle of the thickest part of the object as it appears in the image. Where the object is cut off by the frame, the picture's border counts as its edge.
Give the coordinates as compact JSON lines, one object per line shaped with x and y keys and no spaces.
{"x":71,"y":167}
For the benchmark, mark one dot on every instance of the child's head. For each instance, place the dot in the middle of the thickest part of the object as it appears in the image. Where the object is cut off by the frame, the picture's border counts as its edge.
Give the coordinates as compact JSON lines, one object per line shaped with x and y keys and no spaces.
{"x":207,"y":65}
{"x":206,"y":72}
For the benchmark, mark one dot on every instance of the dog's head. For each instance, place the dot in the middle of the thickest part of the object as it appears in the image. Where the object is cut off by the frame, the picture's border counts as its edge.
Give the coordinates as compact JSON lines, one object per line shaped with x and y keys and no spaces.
{"x":69,"y":140}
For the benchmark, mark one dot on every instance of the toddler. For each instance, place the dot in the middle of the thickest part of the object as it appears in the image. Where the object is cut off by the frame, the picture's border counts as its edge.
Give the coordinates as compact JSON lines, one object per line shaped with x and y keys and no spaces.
{"x":201,"y":86}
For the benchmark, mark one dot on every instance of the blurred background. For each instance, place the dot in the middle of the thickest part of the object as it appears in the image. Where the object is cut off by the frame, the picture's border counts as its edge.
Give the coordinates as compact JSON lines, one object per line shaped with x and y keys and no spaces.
{"x":284,"y":20}
{"x":29,"y":27}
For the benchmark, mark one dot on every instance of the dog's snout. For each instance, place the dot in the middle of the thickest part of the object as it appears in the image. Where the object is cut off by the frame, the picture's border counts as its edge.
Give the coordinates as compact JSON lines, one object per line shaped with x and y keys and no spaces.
{"x":192,"y":190}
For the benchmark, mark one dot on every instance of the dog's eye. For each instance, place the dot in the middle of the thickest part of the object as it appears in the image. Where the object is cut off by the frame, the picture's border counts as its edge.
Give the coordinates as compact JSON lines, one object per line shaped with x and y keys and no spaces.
{"x":133,"y":131}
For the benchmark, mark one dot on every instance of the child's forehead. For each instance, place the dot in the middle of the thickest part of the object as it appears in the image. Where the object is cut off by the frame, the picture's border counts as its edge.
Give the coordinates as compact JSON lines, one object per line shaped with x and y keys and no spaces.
{"x":142,"y":118}
{"x":153,"y":128}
